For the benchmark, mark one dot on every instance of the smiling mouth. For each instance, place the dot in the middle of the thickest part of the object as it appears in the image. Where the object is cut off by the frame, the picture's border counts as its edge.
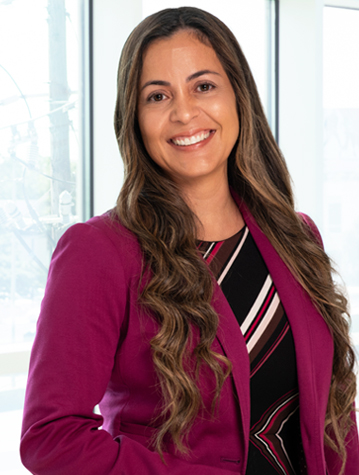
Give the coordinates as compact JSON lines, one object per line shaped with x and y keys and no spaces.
{"x":197,"y":138}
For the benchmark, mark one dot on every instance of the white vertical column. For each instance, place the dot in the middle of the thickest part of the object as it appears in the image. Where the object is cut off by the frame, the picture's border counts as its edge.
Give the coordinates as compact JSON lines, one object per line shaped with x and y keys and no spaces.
{"x":113,"y":20}
{"x":300,"y":99}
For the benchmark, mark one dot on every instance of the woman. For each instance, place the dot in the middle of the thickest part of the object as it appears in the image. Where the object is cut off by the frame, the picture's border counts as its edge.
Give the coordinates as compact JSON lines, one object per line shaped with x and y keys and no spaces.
{"x":251,"y":374}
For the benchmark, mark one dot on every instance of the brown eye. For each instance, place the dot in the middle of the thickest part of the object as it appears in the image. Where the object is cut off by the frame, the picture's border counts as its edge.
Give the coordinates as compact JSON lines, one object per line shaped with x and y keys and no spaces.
{"x":205,"y":87}
{"x":156,"y":97}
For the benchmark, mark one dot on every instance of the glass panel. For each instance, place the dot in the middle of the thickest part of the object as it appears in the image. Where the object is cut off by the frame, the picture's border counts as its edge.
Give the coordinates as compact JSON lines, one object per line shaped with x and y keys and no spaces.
{"x":42,"y":180}
{"x":40,"y":150}
{"x":12,"y":390}
{"x":341,"y":148}
{"x":253,"y":23}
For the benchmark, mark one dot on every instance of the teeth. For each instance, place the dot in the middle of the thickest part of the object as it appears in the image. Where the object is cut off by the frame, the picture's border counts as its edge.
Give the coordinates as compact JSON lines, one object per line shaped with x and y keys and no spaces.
{"x":191,"y":140}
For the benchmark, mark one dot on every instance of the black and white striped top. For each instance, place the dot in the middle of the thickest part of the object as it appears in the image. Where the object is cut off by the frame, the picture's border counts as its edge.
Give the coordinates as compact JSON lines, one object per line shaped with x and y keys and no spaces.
{"x":275,"y":440}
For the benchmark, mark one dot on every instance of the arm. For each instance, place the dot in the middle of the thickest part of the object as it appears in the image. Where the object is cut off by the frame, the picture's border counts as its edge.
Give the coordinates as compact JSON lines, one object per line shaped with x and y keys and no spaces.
{"x":352,"y":446}
{"x":72,"y":360}
{"x":352,"y":443}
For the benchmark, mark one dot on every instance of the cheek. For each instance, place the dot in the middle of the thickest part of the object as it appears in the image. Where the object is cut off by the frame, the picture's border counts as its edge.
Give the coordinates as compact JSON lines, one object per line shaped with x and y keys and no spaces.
{"x":147,"y":133}
{"x":150,"y":128}
{"x":226,"y":115}
{"x":231,"y":126}
{"x":150,"y":133}
{"x":233,"y":120}
{"x":235,"y":124}
{"x":142,"y":123}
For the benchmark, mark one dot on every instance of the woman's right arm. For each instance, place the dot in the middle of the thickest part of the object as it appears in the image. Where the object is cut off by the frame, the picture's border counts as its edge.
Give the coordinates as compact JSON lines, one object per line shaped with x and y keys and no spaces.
{"x":72,"y":359}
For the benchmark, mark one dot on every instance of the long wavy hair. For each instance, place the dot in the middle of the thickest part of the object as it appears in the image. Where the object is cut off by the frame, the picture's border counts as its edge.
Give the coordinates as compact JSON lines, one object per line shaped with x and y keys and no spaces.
{"x":180,"y":289}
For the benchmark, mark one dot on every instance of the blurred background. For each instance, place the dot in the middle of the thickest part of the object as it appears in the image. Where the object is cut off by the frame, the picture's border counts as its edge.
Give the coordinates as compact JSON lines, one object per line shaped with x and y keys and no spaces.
{"x":59,"y":162}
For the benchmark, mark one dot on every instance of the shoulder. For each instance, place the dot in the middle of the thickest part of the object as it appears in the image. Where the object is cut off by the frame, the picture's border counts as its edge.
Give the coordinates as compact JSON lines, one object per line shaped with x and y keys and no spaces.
{"x":99,"y":243}
{"x":100,"y":234}
{"x":311,"y":228}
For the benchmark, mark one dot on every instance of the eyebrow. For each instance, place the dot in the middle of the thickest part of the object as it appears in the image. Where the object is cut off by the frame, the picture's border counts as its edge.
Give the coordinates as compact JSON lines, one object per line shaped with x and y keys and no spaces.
{"x":158,"y":82}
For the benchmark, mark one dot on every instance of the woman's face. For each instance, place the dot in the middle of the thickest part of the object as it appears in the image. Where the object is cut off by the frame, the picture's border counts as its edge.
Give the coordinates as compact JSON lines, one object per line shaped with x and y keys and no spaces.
{"x":187,"y":109}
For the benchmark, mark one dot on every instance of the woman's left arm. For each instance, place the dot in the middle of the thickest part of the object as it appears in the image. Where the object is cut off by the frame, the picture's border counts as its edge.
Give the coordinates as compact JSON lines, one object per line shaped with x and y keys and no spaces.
{"x":333,"y":460}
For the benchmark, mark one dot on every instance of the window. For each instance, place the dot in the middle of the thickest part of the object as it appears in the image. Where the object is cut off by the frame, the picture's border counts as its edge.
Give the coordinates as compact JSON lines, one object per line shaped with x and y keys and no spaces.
{"x":45,"y":148}
{"x":341,"y":148}
{"x":44,"y":176}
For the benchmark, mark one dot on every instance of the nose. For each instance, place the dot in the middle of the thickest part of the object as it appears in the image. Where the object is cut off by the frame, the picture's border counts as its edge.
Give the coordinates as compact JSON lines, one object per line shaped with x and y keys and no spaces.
{"x":184,"y":109}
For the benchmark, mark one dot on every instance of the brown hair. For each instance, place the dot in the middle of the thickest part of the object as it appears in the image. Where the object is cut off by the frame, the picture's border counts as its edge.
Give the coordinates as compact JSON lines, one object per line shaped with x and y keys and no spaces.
{"x":181,"y":288}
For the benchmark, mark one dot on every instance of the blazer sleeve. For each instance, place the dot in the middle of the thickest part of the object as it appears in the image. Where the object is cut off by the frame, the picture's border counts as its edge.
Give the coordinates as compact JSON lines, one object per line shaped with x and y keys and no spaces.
{"x":78,"y":333}
{"x":334,"y":462}
{"x":352,"y":443}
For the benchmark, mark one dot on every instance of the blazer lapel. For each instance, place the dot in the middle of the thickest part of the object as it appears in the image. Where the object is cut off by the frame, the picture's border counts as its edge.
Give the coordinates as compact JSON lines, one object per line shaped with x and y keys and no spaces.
{"x":234,"y":347}
{"x":313,"y":347}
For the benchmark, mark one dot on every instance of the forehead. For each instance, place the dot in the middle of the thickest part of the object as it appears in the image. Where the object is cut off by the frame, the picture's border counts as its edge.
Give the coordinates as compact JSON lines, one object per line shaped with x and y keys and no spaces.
{"x":181,"y":53}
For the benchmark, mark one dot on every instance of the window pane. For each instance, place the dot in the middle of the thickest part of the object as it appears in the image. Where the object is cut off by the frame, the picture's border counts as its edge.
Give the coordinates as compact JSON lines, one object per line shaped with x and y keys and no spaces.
{"x":341,"y":148}
{"x":42,"y":178}
{"x":253,"y":24}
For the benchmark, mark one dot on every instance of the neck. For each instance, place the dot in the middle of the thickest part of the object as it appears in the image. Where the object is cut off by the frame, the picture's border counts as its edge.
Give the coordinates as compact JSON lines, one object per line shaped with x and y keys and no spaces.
{"x":218,"y":214}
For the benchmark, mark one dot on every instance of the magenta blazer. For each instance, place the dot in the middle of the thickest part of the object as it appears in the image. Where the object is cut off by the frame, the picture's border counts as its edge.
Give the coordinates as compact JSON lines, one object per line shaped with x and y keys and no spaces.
{"x":92,"y":346}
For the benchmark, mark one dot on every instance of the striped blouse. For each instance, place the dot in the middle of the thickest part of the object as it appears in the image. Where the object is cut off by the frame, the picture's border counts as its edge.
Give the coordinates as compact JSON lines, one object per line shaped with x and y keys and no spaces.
{"x":275,"y":440}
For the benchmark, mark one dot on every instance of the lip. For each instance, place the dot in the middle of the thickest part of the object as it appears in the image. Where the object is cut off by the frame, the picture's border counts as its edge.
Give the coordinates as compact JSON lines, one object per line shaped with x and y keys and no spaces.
{"x":188,"y":148}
